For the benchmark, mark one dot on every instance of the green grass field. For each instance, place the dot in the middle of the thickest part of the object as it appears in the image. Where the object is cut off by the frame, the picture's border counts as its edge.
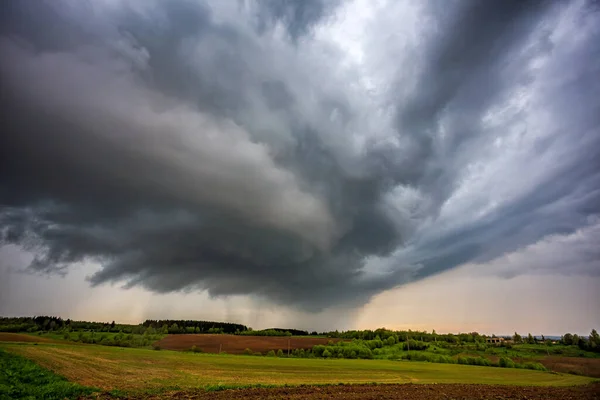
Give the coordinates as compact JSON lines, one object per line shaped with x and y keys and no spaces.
{"x":132,"y":369}
{"x":23,"y":379}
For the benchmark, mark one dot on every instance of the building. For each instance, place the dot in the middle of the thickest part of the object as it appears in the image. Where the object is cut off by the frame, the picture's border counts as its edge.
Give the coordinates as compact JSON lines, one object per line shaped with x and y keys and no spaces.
{"x":494,"y":340}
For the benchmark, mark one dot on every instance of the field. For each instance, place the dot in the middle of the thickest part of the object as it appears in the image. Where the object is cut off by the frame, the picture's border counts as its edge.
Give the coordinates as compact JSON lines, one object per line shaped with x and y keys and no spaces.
{"x":21,"y":337}
{"x":384,"y":392}
{"x":233,"y":344}
{"x":37,"y":366}
{"x":573,"y":365}
{"x":139,"y":369}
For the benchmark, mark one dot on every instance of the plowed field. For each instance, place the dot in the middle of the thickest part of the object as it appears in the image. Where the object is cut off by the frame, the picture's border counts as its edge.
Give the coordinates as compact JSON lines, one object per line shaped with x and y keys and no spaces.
{"x":389,"y":392}
{"x":233,"y":344}
{"x":573,"y":365}
{"x":18,"y":337}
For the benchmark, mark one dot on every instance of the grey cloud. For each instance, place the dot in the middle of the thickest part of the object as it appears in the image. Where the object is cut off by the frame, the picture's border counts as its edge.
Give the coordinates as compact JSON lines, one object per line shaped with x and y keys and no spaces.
{"x":186,"y":146}
{"x":298,"y":17}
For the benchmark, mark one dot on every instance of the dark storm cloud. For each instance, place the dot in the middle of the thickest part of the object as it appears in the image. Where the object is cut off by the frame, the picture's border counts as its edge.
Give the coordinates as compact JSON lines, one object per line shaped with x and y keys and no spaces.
{"x":184,"y":145}
{"x":298,"y":17}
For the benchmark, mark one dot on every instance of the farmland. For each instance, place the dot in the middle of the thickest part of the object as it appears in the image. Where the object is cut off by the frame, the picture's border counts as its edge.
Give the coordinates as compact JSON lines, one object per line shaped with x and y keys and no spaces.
{"x":139,"y":369}
{"x":105,"y":361}
{"x":233,"y":344}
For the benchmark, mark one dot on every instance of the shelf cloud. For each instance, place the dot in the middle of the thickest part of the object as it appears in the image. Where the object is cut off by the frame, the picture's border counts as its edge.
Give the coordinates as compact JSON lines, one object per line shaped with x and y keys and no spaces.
{"x":312,"y":153}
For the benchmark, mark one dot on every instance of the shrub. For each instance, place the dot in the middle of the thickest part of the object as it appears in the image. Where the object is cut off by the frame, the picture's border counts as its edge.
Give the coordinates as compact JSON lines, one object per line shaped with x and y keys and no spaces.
{"x":155,"y":346}
{"x":270,"y":353}
{"x":248,"y":352}
{"x":326,"y":354}
{"x":318,"y":350}
{"x":195,"y":349}
{"x":279,"y":353}
{"x":365,"y":353}
{"x":258,"y":353}
{"x":506,"y":362}
{"x":534,"y":366}
{"x":444,"y":359}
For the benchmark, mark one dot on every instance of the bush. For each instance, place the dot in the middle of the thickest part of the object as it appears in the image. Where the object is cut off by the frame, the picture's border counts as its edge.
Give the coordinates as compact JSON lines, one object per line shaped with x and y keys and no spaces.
{"x":326,"y":354}
{"x":195,"y":349}
{"x":318,"y":350}
{"x":248,"y":352}
{"x":506,"y":362}
{"x":365,"y":353}
{"x":444,"y":360}
{"x":155,"y":346}
{"x":258,"y":353}
{"x":534,"y":366}
{"x":279,"y":353}
{"x":270,"y":353}
{"x":415,"y":345}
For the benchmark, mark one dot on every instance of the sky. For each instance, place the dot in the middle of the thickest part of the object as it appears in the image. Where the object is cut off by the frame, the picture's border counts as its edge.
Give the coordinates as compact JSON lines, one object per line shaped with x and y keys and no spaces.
{"x":315,"y":164}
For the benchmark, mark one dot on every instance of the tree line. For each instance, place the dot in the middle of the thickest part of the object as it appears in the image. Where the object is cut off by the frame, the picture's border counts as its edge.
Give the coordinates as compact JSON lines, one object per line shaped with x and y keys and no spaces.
{"x":168,"y":326}
{"x":192,"y":326}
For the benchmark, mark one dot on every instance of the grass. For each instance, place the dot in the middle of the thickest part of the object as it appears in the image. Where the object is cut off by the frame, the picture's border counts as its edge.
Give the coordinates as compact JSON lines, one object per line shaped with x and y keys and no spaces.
{"x":523,"y":353}
{"x":130,"y":369}
{"x":103,"y":338}
{"x":21,"y":378}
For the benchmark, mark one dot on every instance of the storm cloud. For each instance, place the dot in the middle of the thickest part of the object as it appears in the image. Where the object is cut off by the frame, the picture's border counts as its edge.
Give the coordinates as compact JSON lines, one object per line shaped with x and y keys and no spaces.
{"x":312,"y":153}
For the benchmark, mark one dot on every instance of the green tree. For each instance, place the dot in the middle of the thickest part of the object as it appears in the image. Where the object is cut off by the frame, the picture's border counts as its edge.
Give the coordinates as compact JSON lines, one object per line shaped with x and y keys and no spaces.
{"x":279,"y":353}
{"x":594,"y":340}
{"x":517,"y":338}
{"x":530,"y":339}
{"x":174,"y":328}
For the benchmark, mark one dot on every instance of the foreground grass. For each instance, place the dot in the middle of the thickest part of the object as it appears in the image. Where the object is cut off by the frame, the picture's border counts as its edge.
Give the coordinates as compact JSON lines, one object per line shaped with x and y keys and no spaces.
{"x":140,"y":370}
{"x":21,"y":378}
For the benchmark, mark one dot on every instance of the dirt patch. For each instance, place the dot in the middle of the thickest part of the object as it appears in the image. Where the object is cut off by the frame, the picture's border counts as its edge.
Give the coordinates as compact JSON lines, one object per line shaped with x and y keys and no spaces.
{"x":573,"y":365}
{"x":19,"y":337}
{"x":233,"y":344}
{"x":383,"y":392}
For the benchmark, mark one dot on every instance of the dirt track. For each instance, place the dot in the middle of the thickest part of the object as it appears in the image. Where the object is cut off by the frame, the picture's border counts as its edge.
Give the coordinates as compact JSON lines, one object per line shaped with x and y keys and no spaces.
{"x":233,"y":344}
{"x":400,"y":392}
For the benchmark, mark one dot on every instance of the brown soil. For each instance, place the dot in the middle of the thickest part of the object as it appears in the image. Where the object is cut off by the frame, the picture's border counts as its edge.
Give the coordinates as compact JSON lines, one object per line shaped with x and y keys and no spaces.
{"x":233,"y":344}
{"x":400,"y":392}
{"x":18,"y":337}
{"x":573,"y":365}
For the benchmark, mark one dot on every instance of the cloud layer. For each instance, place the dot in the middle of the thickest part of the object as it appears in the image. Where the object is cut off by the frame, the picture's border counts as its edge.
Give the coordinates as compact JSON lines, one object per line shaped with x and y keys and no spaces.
{"x":312,"y":153}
